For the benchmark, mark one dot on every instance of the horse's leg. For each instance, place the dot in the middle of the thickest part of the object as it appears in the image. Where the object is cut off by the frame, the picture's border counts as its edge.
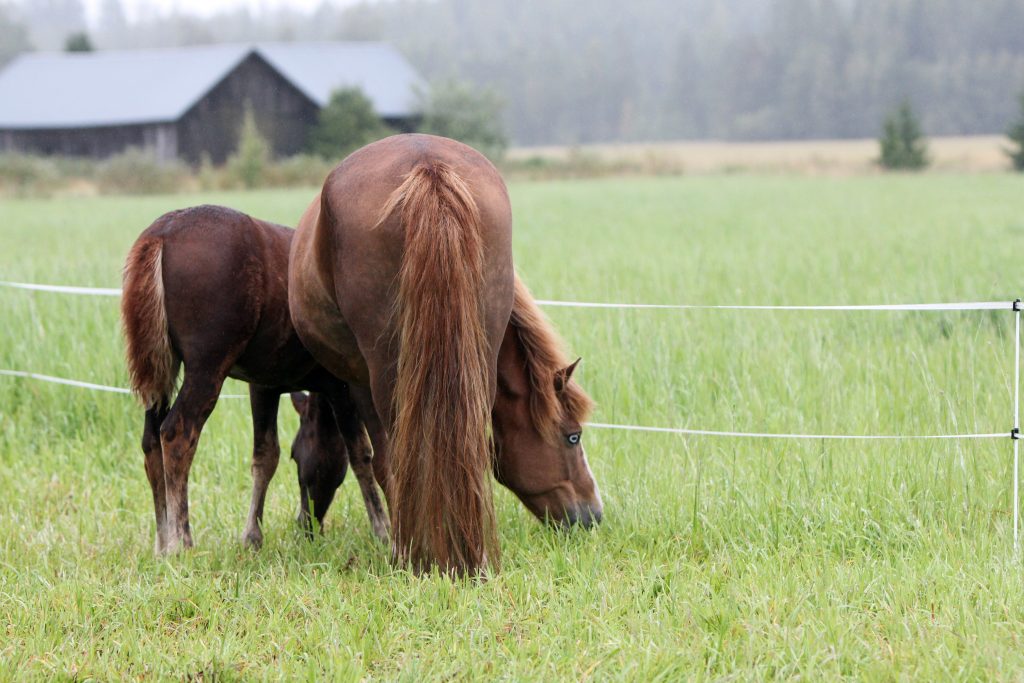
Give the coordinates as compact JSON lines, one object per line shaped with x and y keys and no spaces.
{"x":378,"y":437}
{"x":266,"y":451}
{"x":155,"y":470}
{"x":361,"y":459}
{"x":179,"y":435}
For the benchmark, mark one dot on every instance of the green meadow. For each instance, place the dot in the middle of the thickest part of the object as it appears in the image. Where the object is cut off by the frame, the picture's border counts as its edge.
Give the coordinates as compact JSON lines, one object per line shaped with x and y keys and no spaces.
{"x":718,"y":558}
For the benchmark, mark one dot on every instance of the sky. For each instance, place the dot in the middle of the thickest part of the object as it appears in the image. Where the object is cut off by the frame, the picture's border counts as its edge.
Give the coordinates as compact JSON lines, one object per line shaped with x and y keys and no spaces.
{"x":133,"y":8}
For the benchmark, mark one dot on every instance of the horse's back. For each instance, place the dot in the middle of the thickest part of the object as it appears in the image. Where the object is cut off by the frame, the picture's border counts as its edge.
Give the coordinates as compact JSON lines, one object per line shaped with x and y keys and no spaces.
{"x":226,"y":291}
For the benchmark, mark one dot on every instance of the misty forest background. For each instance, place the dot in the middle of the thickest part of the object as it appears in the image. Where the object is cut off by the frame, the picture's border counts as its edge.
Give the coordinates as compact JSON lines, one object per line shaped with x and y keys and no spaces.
{"x":571,"y":72}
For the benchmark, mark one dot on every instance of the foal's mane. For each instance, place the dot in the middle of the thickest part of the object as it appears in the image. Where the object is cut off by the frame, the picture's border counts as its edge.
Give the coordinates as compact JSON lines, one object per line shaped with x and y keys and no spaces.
{"x":544,"y":359}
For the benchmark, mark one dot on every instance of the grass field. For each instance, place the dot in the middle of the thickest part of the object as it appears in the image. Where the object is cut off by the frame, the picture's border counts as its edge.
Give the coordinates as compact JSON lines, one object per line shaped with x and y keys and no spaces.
{"x":718,"y":558}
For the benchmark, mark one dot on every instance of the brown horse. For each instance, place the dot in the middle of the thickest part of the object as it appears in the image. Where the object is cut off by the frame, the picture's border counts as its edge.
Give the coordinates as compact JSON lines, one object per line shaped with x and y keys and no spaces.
{"x":537,"y":425}
{"x":401,"y":283}
{"x":207,"y":287}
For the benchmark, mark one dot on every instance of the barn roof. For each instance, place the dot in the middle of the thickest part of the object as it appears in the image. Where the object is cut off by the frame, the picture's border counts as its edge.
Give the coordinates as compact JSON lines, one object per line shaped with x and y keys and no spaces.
{"x":378,"y":69}
{"x":119,"y":87}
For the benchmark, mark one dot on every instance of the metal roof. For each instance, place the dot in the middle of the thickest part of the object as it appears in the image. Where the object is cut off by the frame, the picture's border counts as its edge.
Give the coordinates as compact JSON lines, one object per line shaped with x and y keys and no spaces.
{"x":119,"y":87}
{"x":378,"y":69}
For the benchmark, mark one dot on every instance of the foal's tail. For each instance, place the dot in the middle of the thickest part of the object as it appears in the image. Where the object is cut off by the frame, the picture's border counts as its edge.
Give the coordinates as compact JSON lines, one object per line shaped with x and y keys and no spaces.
{"x":152,"y":363}
{"x":442,"y":510}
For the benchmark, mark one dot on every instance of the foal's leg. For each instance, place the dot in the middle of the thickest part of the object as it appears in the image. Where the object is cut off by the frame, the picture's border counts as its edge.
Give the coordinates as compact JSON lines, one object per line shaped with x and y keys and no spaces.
{"x":361,"y":459}
{"x":179,"y":435}
{"x":378,"y":437}
{"x":155,"y":470}
{"x":266,"y":451}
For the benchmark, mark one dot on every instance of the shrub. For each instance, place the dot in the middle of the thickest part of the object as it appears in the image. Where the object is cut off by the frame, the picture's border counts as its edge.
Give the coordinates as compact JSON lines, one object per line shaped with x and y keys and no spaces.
{"x":22,"y":175}
{"x":902,"y":143}
{"x":1016,"y":135}
{"x":138,"y":171}
{"x":302,"y":170}
{"x":249,"y":163}
{"x":347,"y":123}
{"x":78,"y":42}
{"x":468,"y":114}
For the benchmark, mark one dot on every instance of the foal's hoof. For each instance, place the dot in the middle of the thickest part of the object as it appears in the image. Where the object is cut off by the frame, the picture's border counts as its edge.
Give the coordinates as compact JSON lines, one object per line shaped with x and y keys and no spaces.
{"x":253,"y":540}
{"x":382,"y":530}
{"x":175,"y":546}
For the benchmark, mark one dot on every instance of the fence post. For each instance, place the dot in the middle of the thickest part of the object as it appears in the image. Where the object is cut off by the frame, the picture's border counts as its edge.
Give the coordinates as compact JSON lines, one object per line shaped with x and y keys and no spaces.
{"x":1015,"y":434}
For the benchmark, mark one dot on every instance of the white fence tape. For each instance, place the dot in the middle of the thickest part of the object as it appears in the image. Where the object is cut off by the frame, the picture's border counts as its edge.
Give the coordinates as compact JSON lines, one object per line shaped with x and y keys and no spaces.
{"x":964,"y":306}
{"x":63,"y":289}
{"x":83,"y":385}
{"x":593,"y":425}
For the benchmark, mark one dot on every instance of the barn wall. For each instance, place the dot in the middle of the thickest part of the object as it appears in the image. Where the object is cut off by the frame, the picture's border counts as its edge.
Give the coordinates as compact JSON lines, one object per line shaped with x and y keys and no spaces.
{"x":283,"y":114}
{"x":97,"y":143}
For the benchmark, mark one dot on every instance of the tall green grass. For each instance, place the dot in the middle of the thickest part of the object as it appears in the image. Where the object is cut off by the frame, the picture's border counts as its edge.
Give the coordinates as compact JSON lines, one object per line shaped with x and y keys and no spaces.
{"x":717,"y":558}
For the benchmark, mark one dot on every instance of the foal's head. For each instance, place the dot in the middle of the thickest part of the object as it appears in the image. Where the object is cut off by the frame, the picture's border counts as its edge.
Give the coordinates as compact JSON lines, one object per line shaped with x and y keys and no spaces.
{"x":538,"y":419}
{"x":319,"y":454}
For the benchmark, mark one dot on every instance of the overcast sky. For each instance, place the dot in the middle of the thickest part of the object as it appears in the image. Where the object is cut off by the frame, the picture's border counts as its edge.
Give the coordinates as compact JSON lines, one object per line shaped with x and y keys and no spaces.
{"x":133,"y":8}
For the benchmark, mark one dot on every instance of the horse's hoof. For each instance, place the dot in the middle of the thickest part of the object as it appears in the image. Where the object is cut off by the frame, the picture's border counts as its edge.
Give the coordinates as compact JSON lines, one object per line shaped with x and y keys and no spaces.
{"x":253,"y":541}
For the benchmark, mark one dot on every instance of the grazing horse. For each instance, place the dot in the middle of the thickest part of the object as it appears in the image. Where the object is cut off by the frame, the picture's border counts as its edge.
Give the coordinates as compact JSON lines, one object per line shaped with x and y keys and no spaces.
{"x":207,"y":287}
{"x":401,"y":283}
{"x":537,"y":424}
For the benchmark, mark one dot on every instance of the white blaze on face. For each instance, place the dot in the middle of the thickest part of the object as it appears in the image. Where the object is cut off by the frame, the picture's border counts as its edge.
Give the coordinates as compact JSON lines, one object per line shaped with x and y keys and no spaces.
{"x":586,"y":466}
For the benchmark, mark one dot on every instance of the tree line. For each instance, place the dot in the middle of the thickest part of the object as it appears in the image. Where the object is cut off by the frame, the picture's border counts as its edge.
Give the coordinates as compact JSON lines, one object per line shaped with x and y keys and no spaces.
{"x":569,"y":72}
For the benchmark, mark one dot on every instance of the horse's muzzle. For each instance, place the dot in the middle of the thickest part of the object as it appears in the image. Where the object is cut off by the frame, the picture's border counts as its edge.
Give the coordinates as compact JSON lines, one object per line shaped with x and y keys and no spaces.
{"x":584,"y":515}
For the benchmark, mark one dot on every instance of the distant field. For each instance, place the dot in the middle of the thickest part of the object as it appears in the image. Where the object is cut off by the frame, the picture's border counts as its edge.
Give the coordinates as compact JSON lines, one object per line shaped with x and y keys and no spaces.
{"x":960,"y":154}
{"x":718,"y":558}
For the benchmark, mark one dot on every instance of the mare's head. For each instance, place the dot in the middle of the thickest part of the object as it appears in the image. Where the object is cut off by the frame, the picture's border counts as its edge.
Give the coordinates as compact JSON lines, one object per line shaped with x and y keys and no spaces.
{"x":319,"y":454}
{"x":538,"y":418}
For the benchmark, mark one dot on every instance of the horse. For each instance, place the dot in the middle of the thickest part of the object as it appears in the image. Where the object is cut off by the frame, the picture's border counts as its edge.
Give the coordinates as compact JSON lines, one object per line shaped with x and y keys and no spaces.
{"x":401,"y":283}
{"x":536,"y":421}
{"x":206,"y":287}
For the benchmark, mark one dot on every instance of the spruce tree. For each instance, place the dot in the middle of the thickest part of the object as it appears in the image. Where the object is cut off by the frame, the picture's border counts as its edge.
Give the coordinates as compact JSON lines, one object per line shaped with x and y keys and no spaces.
{"x":903,"y":145}
{"x":1016,"y":135}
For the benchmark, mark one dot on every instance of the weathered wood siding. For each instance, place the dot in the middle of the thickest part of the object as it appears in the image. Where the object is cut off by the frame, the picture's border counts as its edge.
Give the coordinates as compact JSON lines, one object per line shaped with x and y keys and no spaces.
{"x":283,"y":114}
{"x":97,"y":143}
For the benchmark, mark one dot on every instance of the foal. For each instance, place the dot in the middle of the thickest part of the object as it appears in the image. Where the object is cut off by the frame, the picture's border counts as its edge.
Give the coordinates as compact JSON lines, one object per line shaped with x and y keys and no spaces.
{"x":207,"y":287}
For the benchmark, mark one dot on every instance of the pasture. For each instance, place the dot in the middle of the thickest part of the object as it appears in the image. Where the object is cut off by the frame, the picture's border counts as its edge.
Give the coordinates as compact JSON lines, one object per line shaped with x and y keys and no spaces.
{"x":717,"y":557}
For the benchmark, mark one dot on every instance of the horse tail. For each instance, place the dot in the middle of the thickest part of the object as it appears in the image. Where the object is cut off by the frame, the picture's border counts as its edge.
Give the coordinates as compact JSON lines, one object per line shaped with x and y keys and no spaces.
{"x":439,"y":453}
{"x":152,"y":363}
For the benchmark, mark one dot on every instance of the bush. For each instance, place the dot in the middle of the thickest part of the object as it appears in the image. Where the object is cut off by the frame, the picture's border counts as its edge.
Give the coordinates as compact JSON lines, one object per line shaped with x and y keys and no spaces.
{"x":302,"y":170}
{"x":138,"y":171}
{"x":22,"y":175}
{"x":347,"y":123}
{"x":78,"y":42}
{"x":467,"y":114}
{"x":1016,"y":135}
{"x":902,"y":143}
{"x":248,"y":165}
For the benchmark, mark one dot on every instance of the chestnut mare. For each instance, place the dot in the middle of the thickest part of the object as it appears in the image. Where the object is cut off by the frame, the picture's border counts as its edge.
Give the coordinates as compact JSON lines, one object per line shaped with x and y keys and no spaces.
{"x":401,"y":283}
{"x":536,"y":422}
{"x":206,"y":287}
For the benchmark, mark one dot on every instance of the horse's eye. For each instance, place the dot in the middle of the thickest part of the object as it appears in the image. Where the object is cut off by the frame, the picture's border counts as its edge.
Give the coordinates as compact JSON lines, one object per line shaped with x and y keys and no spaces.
{"x":573,"y":438}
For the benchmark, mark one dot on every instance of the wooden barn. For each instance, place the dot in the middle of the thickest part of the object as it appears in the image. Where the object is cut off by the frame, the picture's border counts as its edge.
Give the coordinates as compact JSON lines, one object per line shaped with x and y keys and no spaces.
{"x":183,"y":102}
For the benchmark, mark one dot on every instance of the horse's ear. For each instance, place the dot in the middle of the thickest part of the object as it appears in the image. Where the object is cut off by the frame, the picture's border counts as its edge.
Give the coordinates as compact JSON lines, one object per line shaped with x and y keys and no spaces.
{"x":563,"y":376}
{"x":301,"y":401}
